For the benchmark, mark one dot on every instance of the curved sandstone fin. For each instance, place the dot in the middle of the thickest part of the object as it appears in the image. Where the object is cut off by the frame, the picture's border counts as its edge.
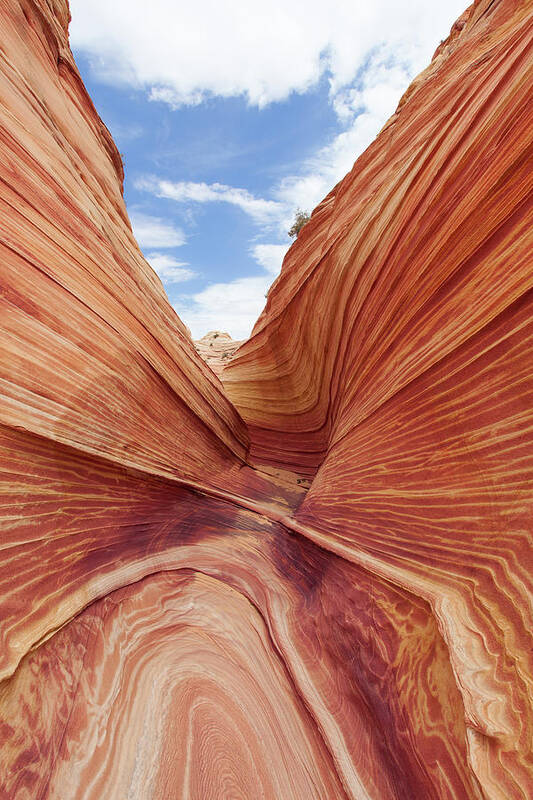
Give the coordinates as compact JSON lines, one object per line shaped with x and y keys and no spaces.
{"x":310,"y":578}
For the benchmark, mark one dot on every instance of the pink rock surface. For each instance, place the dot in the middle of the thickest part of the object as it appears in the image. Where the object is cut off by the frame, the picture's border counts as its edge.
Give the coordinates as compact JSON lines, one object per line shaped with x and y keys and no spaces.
{"x":217,"y":349}
{"x":312,"y":577}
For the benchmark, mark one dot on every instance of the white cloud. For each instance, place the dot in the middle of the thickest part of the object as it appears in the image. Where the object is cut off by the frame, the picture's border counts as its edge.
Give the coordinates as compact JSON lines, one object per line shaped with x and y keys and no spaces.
{"x":261,"y":211}
{"x":362,"y":109}
{"x":155,"y":232}
{"x":232,"y":307}
{"x":169,"y":269}
{"x":183,"y":52}
{"x":165,"y":94}
{"x":270,"y":256}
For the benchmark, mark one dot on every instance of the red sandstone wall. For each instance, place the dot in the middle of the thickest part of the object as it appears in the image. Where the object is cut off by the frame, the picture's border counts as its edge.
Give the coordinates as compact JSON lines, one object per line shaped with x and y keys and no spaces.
{"x":179,"y":617}
{"x":94,"y":357}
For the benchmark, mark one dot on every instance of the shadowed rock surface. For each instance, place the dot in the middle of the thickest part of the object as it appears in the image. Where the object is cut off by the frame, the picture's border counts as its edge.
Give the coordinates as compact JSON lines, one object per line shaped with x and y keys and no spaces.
{"x":312,"y":578}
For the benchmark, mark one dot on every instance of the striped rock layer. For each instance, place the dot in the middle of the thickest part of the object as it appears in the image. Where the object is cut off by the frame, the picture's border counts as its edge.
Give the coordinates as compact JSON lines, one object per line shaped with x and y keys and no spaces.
{"x":313,"y":577}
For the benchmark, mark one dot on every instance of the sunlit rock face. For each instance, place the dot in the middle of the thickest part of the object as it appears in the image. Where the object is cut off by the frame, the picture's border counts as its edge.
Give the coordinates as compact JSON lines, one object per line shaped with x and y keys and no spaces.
{"x":310,"y":578}
{"x":217,"y":349}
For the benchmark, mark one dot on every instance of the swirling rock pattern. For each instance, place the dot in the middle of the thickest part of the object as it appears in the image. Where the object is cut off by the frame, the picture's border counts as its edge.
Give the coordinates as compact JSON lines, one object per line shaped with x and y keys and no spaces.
{"x":310,"y":575}
{"x":217,"y":349}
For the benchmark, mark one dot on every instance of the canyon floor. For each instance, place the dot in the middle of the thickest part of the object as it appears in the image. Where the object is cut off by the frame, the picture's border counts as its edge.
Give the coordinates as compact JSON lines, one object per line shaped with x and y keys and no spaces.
{"x":294,"y":567}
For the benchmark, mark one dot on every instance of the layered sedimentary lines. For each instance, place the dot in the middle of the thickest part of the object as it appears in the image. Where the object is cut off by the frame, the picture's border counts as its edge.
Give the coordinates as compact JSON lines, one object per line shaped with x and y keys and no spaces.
{"x":93,"y":356}
{"x":217,"y":349}
{"x":307,"y":576}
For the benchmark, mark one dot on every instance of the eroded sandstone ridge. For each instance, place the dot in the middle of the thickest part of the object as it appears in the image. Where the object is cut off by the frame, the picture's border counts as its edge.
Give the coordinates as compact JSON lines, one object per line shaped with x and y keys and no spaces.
{"x":181,"y":616}
{"x":217,"y":349}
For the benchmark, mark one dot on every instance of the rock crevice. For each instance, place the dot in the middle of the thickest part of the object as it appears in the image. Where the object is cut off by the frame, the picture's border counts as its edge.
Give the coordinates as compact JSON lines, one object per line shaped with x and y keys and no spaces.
{"x":297,"y":566}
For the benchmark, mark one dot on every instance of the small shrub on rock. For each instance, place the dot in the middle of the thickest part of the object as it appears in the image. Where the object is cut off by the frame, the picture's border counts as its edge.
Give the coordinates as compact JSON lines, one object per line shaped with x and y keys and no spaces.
{"x":301,"y":218}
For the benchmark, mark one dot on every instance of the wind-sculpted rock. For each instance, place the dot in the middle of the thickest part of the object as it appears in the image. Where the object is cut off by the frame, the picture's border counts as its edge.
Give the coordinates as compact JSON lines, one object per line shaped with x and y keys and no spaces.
{"x":217,"y":349}
{"x":312,"y":577}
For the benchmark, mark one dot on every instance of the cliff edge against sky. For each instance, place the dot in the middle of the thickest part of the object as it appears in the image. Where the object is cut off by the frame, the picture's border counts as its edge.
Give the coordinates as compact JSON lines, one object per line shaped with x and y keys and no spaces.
{"x":312,"y":577}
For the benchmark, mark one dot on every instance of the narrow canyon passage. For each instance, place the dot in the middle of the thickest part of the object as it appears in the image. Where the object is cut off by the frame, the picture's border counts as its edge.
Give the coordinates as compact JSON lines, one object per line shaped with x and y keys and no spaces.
{"x":305,"y":572}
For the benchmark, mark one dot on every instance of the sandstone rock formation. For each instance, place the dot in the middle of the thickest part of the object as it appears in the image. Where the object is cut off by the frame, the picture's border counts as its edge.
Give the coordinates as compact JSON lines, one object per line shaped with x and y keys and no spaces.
{"x":180,"y":615}
{"x":217,"y":349}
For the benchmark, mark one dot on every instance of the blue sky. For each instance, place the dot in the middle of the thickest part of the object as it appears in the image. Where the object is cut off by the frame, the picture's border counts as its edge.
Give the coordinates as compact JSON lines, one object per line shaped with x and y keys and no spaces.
{"x":230,"y":116}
